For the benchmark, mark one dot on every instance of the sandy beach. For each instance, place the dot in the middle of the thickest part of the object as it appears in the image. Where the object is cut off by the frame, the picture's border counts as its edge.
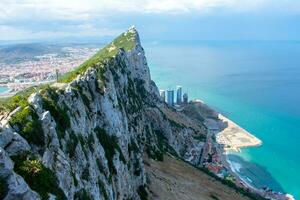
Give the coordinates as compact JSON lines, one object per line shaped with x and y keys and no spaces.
{"x":233,"y":137}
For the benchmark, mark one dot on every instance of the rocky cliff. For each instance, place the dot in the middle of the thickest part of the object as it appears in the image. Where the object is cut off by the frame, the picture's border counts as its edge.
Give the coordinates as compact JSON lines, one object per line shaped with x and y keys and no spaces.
{"x":85,"y":137}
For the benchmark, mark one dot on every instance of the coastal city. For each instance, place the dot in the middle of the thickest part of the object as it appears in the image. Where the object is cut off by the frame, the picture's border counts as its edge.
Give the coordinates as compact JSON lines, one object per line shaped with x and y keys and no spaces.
{"x":223,"y":136}
{"x":42,"y":68}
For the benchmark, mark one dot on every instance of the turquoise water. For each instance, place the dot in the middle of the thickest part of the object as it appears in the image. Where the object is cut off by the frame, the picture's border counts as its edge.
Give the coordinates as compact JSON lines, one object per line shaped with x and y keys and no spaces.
{"x":256,"y":84}
{"x":3,"y":89}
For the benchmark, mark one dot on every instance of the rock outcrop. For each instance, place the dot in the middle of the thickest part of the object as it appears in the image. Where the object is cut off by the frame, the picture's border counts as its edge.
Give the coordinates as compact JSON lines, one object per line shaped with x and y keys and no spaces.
{"x":85,"y":138}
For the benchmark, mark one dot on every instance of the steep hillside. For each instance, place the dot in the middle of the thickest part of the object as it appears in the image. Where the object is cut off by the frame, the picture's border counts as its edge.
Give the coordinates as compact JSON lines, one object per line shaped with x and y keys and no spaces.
{"x":84,"y":138}
{"x":175,"y":179}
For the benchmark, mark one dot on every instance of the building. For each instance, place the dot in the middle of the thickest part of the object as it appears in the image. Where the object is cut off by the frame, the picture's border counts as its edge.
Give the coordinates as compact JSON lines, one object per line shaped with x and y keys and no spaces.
{"x":179,"y":95}
{"x":162,"y":94}
{"x":185,"y":98}
{"x":170,"y":97}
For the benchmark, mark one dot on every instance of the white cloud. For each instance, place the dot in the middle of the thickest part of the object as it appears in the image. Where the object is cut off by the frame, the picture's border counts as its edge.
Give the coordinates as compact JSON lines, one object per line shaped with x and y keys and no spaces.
{"x":85,"y":9}
{"x":30,"y":18}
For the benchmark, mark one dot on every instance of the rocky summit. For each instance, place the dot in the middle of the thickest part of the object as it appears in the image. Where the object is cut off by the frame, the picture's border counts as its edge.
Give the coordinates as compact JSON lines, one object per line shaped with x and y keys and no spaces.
{"x":87,"y":136}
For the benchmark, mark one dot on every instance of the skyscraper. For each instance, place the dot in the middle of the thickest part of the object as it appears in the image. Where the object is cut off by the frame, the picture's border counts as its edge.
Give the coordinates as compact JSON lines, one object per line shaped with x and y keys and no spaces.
{"x":179,"y":95}
{"x":170,"y":97}
{"x":162,"y":94}
{"x":185,"y":98}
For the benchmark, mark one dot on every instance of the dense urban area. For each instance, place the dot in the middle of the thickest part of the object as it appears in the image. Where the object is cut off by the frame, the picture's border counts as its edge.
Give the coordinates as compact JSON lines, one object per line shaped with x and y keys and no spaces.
{"x":36,"y":69}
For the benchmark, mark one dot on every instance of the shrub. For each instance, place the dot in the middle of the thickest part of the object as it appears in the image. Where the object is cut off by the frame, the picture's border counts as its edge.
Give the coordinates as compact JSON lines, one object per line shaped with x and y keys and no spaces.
{"x":3,"y":188}
{"x":132,"y":146}
{"x":19,"y":99}
{"x":84,"y":98}
{"x":28,"y":125}
{"x":110,"y":145}
{"x":213,"y":196}
{"x":200,"y":137}
{"x":82,"y":195}
{"x":91,"y":142}
{"x":142,"y":192}
{"x":40,"y":178}
{"x":74,"y":179}
{"x":71,"y":145}
{"x":86,"y":173}
{"x":102,"y":189}
{"x":83,"y":144}
{"x":60,"y":115}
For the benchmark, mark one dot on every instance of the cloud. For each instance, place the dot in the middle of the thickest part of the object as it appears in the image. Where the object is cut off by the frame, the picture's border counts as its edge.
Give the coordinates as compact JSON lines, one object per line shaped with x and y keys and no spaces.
{"x":40,"y":18}
{"x":87,"y":9}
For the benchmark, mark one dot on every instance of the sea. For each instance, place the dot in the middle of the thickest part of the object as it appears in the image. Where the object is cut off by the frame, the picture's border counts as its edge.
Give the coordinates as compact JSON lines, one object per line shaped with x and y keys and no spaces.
{"x":254,"y":83}
{"x":3,"y":90}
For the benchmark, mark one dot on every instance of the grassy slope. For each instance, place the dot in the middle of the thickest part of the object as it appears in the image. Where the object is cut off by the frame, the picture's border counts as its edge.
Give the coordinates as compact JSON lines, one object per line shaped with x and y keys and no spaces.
{"x":125,"y":41}
{"x":175,"y":179}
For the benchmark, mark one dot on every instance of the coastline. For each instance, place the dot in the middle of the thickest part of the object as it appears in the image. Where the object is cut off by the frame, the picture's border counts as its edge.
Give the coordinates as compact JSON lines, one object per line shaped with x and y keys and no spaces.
{"x":227,"y":136}
{"x":234,"y":137}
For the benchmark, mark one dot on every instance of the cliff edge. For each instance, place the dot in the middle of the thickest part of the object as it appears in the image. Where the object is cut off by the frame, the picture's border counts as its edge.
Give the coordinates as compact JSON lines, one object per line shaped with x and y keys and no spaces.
{"x":86,"y":136}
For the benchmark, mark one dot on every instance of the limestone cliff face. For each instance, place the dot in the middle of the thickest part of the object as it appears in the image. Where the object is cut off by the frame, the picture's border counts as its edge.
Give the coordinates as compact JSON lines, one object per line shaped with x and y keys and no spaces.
{"x":92,"y":133}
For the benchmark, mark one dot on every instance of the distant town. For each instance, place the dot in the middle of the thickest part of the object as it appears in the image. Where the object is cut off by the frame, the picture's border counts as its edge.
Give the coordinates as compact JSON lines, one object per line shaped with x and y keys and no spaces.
{"x":42,"y":68}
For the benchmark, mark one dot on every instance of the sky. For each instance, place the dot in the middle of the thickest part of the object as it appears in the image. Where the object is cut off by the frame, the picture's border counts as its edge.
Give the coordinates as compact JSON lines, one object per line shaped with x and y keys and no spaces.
{"x":156,"y":20}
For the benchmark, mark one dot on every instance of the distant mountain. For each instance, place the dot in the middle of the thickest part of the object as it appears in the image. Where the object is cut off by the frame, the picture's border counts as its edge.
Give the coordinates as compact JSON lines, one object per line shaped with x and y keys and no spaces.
{"x":21,"y":52}
{"x":11,"y":54}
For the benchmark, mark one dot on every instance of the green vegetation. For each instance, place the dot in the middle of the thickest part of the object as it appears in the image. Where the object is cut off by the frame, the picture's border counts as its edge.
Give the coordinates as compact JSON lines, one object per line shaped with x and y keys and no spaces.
{"x":136,"y":168}
{"x":84,"y":98}
{"x":28,"y":125}
{"x":110,"y":146}
{"x":91,"y":142}
{"x":19,"y":99}
{"x":135,"y":101}
{"x":71,"y":145}
{"x":83,"y":144}
{"x":82,"y":195}
{"x":3,"y":188}
{"x":142,"y":192}
{"x":38,"y":177}
{"x":132,"y":146}
{"x":228,"y":182}
{"x":102,"y":189}
{"x":140,"y":88}
{"x":74,"y":179}
{"x":213,"y":196}
{"x":200,"y":137}
{"x":175,"y":124}
{"x":86,"y":173}
{"x":60,"y":115}
{"x":126,"y":42}
{"x":157,"y":152}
